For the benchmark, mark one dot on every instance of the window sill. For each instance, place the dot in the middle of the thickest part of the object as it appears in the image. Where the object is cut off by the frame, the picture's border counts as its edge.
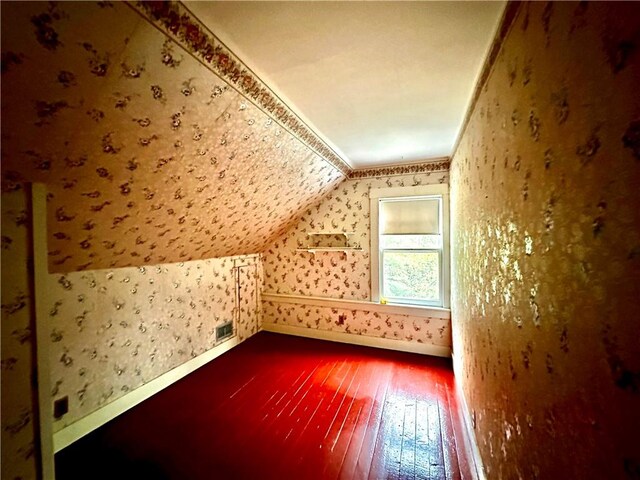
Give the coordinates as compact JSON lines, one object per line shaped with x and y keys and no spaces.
{"x":390,"y":308}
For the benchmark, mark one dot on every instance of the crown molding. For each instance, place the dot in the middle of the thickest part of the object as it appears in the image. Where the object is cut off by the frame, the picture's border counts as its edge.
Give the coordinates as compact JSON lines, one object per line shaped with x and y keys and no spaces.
{"x":176,"y":21}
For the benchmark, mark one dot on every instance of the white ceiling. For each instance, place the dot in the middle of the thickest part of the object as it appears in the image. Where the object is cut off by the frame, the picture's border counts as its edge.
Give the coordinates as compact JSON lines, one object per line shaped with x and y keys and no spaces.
{"x":382,"y":82}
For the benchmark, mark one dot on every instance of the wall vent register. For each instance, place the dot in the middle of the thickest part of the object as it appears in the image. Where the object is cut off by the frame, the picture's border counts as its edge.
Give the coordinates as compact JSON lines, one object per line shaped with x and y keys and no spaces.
{"x":224,"y":331}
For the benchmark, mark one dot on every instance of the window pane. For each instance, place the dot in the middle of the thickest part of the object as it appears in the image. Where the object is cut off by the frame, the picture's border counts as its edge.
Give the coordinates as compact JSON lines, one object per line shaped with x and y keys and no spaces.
{"x":411,"y":275}
{"x":410,"y":241}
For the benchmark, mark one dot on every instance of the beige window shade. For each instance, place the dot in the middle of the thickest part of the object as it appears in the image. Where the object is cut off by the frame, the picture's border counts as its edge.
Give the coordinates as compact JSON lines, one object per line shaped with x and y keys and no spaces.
{"x":410,"y":217}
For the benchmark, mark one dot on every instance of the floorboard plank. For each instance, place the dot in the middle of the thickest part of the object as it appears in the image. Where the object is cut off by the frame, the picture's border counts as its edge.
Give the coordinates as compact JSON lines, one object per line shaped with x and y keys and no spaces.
{"x":423,"y":445}
{"x":367,"y":461}
{"x":280,"y":407}
{"x":451,"y":468}
{"x":408,"y":455}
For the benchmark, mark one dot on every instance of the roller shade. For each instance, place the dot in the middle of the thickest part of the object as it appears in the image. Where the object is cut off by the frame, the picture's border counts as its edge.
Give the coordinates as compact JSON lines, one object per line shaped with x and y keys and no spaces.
{"x":420,"y":216}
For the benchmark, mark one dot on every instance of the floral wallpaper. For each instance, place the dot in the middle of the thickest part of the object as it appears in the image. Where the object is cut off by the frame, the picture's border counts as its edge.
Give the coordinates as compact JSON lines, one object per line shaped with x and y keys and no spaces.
{"x":344,"y":276}
{"x":154,"y":164}
{"x":432,"y":331}
{"x":546,"y":246}
{"x":344,"y":209}
{"x":19,"y":418}
{"x":115,"y":330}
{"x":150,"y":156}
{"x":175,"y":19}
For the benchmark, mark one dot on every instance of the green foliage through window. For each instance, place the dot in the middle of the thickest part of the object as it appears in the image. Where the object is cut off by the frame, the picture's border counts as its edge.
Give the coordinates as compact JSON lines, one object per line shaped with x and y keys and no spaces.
{"x":411,"y":275}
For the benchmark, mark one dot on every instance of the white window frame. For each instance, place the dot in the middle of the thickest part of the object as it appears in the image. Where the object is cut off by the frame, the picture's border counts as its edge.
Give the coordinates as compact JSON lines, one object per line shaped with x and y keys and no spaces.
{"x":377,"y":194}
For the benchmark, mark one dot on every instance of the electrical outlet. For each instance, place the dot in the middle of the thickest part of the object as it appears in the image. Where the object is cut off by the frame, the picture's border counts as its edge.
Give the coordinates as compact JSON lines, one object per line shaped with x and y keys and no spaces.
{"x":60,"y":407}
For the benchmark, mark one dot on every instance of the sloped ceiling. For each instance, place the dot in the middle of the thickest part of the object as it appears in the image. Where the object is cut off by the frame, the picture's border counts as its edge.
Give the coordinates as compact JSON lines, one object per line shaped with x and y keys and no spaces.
{"x":134,"y":120}
{"x":384,"y":82}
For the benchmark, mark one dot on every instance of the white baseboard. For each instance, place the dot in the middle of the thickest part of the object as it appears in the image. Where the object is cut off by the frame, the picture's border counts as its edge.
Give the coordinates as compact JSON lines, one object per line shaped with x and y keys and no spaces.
{"x":85,"y":425}
{"x":470,"y":440}
{"x":377,"y":342}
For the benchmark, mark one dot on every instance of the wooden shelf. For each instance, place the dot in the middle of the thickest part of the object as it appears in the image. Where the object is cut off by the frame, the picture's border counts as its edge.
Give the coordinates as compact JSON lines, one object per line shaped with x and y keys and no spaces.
{"x":327,"y":232}
{"x":345,"y":248}
{"x":328,"y":249}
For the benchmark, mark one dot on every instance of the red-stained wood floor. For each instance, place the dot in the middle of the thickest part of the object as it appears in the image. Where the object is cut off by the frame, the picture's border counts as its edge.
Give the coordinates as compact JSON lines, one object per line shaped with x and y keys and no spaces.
{"x":281,"y":407}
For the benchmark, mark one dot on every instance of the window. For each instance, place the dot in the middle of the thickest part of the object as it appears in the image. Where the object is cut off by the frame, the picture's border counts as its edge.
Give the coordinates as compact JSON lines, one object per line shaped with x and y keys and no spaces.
{"x":410,"y":245}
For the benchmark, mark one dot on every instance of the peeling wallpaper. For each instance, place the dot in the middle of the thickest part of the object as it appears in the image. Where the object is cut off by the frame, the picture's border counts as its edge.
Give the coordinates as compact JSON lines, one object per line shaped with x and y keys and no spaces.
{"x":19,"y":418}
{"x":112,"y":331}
{"x":149,"y":156}
{"x":339,"y":276}
{"x":546,"y":247}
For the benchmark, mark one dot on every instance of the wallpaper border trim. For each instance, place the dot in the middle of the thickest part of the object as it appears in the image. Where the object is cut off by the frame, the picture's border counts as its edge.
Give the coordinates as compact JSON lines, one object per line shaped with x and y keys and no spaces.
{"x":85,"y":425}
{"x":362,"y":340}
{"x":504,"y":26}
{"x":176,"y":21}
{"x":414,"y":311}
{"x":436,"y":165}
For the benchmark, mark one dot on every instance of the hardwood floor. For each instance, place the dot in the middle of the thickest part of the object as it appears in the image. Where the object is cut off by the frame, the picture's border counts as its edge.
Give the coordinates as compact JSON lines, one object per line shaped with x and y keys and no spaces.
{"x":281,"y":407}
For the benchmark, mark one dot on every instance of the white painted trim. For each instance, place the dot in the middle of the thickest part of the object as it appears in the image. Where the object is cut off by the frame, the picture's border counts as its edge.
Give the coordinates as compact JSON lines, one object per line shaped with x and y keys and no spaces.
{"x":375,"y":194}
{"x":412,"y":310}
{"x":470,"y":441}
{"x":376,"y":342}
{"x":374,"y":253}
{"x":446,"y":247}
{"x":87,"y":424}
{"x":41,"y":270}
